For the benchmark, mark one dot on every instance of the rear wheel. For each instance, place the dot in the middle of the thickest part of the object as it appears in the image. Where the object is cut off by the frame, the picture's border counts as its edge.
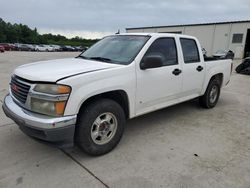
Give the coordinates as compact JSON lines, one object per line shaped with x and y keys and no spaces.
{"x":211,"y":96}
{"x":100,"y":127}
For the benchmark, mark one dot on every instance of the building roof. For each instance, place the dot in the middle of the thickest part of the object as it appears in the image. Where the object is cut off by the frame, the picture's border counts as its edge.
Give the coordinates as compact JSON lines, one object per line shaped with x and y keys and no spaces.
{"x":184,"y":25}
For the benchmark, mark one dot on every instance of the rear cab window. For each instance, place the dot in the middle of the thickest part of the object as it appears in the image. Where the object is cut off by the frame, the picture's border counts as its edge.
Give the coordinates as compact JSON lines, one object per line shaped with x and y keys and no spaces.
{"x":190,"y":50}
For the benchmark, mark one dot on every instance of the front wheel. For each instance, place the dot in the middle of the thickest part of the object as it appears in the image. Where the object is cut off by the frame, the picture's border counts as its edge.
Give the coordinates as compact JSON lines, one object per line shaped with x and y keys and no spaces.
{"x":212,"y":94}
{"x":100,"y":127}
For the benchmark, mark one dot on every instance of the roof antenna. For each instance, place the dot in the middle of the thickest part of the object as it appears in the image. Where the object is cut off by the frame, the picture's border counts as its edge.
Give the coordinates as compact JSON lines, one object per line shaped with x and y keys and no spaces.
{"x":118,"y":32}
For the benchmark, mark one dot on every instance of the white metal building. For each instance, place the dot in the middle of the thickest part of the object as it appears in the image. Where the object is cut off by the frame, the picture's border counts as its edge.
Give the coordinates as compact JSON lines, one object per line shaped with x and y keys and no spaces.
{"x":233,"y":35}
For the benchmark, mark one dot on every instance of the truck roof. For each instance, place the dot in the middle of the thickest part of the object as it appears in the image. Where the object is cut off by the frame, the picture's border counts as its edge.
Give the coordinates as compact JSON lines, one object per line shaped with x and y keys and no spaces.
{"x":158,"y":34}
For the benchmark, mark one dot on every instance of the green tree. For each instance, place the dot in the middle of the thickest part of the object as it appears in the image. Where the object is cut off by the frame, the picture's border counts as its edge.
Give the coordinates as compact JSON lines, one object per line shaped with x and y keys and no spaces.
{"x":19,"y":33}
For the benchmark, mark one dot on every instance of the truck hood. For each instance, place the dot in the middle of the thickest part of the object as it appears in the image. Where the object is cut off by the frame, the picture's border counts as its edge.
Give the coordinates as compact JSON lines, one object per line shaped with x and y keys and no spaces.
{"x":54,"y":70}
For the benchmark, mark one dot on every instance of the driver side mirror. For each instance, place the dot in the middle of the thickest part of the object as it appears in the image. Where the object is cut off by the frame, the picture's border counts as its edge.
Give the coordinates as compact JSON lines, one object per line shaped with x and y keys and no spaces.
{"x":151,"y":61}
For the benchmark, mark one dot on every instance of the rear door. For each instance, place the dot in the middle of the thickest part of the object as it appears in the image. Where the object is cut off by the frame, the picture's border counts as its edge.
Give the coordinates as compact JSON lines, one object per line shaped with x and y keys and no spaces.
{"x":193,"y":68}
{"x":158,"y":87}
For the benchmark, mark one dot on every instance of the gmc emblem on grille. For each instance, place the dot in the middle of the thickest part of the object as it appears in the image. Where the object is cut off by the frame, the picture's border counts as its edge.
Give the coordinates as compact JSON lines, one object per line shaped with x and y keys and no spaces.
{"x":15,"y":87}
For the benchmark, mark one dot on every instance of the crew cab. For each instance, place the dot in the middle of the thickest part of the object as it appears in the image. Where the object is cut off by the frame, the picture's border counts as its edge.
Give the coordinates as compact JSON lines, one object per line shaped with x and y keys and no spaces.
{"x":87,"y":99}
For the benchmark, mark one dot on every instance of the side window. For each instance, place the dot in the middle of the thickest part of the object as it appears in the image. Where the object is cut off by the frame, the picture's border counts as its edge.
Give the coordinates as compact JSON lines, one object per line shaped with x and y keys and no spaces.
{"x":190,"y":50}
{"x":166,"y":48}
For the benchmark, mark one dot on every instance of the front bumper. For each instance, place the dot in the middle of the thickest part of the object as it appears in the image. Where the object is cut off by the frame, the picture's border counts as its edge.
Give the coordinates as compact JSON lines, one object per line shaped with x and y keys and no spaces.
{"x":58,"y":131}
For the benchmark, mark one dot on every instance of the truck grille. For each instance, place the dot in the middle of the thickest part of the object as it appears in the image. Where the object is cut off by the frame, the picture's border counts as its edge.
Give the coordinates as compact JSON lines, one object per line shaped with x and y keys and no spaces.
{"x":19,"y":89}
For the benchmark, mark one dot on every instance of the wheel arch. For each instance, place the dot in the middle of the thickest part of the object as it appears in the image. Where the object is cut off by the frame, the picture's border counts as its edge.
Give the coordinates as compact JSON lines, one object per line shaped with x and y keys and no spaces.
{"x":119,"y":96}
{"x":219,"y":76}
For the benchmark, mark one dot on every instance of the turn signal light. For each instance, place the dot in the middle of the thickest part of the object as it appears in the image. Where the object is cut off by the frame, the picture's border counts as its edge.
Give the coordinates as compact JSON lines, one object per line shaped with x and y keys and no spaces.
{"x":60,"y":106}
{"x":63,"y":89}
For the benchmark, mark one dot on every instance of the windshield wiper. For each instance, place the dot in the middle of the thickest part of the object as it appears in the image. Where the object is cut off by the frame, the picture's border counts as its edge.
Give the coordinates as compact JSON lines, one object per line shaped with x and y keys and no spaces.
{"x":95,"y":58}
{"x":81,"y":56}
{"x":100,"y":59}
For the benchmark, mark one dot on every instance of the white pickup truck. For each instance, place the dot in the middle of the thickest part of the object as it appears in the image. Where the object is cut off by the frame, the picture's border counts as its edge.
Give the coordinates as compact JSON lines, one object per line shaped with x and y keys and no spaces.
{"x":87,"y":99}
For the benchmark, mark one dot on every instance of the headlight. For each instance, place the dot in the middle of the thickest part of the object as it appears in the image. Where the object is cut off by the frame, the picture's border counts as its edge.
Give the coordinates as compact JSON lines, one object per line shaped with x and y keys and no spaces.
{"x":48,"y":107}
{"x":52,"y":89}
{"x":49,"y":99}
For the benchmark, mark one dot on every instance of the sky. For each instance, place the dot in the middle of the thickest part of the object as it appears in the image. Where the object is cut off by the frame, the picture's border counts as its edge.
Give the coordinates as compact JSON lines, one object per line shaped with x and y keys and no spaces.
{"x":98,"y":18}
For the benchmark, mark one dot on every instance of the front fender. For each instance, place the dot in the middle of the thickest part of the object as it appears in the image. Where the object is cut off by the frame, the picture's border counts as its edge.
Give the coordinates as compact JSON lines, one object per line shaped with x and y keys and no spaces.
{"x":87,"y":85}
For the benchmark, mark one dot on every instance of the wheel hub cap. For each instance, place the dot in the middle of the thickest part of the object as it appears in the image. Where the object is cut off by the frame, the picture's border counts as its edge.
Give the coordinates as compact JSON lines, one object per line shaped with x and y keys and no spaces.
{"x":213,"y":94}
{"x":104,"y":128}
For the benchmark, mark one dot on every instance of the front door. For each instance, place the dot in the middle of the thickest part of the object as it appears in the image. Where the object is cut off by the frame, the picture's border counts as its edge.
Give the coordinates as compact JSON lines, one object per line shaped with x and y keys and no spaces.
{"x":158,"y":87}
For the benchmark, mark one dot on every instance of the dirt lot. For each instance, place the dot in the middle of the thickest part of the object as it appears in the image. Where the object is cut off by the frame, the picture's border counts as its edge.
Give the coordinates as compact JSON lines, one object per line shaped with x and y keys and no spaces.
{"x":183,"y":146}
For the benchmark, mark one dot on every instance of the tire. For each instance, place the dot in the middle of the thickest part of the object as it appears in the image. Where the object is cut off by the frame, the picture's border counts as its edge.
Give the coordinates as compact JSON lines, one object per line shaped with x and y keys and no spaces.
{"x":239,"y":68}
{"x":87,"y":127}
{"x":212,"y":94}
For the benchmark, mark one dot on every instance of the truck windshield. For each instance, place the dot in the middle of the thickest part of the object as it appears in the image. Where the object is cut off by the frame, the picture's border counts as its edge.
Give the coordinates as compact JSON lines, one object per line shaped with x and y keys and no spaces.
{"x":118,"y":49}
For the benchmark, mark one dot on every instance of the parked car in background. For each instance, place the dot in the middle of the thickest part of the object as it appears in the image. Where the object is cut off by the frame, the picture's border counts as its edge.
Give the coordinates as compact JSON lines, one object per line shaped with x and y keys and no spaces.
{"x":49,"y":48}
{"x":2,"y":48}
{"x":16,"y":46}
{"x":24,"y":47}
{"x":224,"y":54}
{"x":67,"y":48}
{"x":40,"y":48}
{"x":64,"y":48}
{"x":57,"y":48}
{"x":80,"y":48}
{"x":12,"y":46}
{"x":7,"y":47}
{"x":31,"y":47}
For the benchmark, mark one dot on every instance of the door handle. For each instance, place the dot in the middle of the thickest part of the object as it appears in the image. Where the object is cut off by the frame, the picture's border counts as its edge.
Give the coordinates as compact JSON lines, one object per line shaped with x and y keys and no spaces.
{"x":199,"y":68}
{"x":176,"y":72}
